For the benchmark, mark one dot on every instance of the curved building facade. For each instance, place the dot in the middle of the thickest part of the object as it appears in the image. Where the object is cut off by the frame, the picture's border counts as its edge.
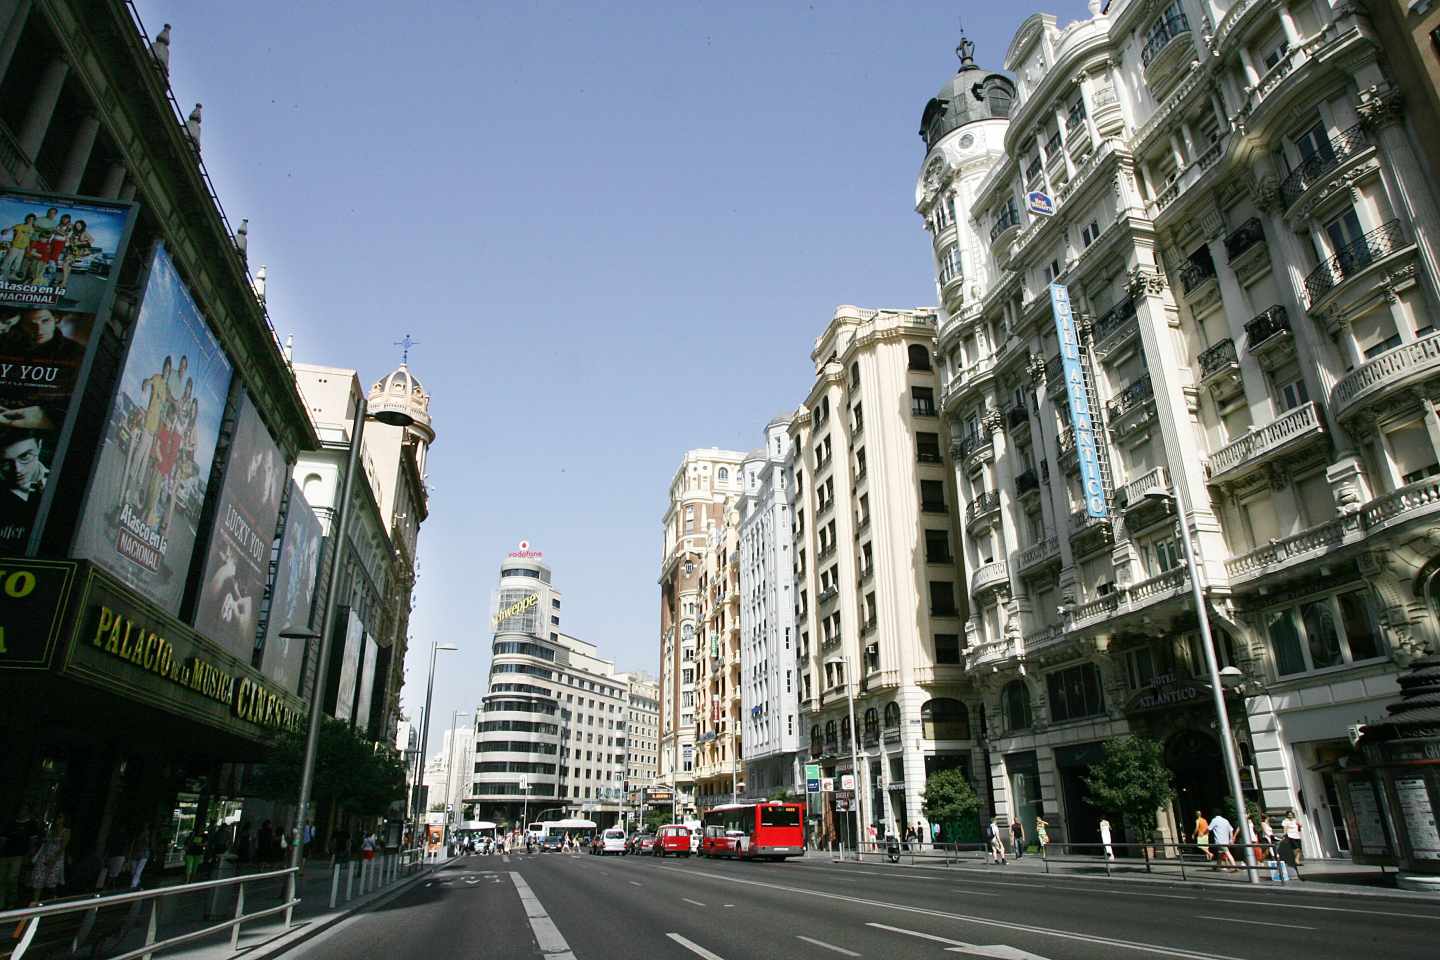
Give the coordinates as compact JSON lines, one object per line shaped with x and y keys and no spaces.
{"x":517,"y":728}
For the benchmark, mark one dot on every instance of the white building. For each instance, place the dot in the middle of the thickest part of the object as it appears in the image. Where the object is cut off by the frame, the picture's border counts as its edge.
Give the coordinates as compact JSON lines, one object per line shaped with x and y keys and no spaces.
{"x":642,"y":734}
{"x":705,"y":482}
{"x":770,"y":685}
{"x":1229,"y":193}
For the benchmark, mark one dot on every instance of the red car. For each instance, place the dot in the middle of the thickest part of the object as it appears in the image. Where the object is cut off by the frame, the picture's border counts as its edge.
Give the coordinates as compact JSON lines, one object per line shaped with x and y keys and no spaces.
{"x":643,"y":843}
{"x":674,"y":839}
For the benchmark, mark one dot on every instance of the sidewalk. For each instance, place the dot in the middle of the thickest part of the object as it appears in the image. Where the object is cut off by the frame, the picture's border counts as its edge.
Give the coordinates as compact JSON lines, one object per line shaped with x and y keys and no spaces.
{"x":1317,"y":877}
{"x":185,"y":913}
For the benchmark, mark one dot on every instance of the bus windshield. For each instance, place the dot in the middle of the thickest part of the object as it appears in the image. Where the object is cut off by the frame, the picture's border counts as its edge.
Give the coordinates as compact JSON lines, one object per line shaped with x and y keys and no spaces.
{"x":780,"y":816}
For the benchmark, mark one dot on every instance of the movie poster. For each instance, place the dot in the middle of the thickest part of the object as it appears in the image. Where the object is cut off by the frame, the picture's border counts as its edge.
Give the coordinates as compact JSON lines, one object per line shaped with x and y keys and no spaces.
{"x":294,"y":593}
{"x":58,"y":257}
{"x":367,"y":686}
{"x":349,"y":667}
{"x":237,"y":566}
{"x":143,"y":507}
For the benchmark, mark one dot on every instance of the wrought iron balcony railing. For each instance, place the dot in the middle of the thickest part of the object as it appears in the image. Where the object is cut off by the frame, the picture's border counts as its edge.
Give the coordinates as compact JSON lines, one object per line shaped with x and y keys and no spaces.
{"x":1354,"y":257}
{"x":1344,"y":146}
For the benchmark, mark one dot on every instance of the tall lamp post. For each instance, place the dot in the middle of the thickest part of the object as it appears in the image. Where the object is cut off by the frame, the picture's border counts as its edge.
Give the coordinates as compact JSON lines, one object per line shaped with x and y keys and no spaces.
{"x":859,"y":794}
{"x":1217,"y":690}
{"x":435,"y":647}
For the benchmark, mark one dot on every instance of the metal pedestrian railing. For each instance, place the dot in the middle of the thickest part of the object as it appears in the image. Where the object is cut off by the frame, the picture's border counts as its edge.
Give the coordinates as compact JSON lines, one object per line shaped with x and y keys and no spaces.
{"x":913,"y":852}
{"x":1185,"y":859}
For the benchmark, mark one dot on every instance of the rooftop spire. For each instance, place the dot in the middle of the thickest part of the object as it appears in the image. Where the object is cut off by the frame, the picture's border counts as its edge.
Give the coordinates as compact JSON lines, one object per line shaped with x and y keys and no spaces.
{"x":405,"y":345}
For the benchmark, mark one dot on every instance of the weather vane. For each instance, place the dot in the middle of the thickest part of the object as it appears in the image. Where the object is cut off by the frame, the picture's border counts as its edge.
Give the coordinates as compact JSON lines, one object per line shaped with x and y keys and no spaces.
{"x":405,"y":346}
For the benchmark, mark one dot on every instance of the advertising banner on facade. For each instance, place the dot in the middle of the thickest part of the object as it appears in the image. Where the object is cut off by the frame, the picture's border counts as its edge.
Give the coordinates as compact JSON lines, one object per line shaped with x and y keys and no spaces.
{"x":149,"y":483}
{"x":1082,"y":416}
{"x":349,"y":667}
{"x":294,"y":592}
{"x":237,"y":565}
{"x":33,"y":611}
{"x":367,"y":685}
{"x":58,"y":258}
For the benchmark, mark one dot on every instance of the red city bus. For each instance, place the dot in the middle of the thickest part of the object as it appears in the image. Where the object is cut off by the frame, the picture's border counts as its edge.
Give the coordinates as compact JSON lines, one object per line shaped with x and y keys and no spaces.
{"x":754,"y":831}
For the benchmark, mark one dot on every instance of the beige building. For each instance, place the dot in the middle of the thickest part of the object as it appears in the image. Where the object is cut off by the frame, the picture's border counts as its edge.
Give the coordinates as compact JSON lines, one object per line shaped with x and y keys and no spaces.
{"x":642,"y":731}
{"x":1229,"y":196}
{"x":699,"y":493}
{"x":880,"y":605}
{"x":719,"y":770}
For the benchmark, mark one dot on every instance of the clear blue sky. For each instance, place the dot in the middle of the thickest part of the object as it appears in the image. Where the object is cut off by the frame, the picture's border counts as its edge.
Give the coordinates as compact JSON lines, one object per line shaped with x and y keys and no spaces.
{"x":614,"y":231}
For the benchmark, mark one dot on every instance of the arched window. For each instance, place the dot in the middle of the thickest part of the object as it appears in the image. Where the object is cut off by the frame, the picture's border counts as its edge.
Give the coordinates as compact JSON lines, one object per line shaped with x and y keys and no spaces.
{"x":892,"y":715}
{"x":815,"y":747}
{"x":832,"y":739}
{"x":872,"y":725}
{"x":854,"y":374}
{"x":311,"y":486}
{"x":944,"y":719}
{"x":919,"y":357}
{"x":845,"y":731}
{"x":724,"y":475}
{"x":1015,"y":705}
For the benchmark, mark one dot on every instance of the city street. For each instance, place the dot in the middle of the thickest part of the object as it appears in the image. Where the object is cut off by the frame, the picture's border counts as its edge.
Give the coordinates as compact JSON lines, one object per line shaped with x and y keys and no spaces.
{"x":585,"y":907}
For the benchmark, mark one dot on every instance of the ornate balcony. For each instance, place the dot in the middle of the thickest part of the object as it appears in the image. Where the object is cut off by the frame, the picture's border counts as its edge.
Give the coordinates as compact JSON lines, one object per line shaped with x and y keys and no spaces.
{"x":1156,"y":478}
{"x":1165,"y":32}
{"x":1044,"y":637}
{"x":1280,"y":437}
{"x":1260,"y":329}
{"x":1038,"y":554}
{"x":1353,"y":258}
{"x":1009,"y":219}
{"x":1195,"y":272}
{"x":1346,"y":144}
{"x":1218,"y":358}
{"x":1398,"y":367}
{"x":1134,"y":395}
{"x":989,"y":576}
{"x":1408,"y":503}
{"x":1243,"y":237}
{"x":1027,"y":483}
{"x":1066,"y":444}
{"x":1119,"y":319}
{"x":986,"y":503}
{"x":1316,"y":541}
{"x":971,"y":444}
{"x":990,"y":652}
{"x":1017,"y":417}
{"x":1165,"y":51}
{"x":1054,"y":375}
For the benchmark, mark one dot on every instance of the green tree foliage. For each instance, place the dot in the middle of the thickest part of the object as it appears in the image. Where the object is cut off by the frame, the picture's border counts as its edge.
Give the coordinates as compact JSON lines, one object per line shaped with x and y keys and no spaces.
{"x":950,"y":802}
{"x":357,"y":776}
{"x":1131,"y":778}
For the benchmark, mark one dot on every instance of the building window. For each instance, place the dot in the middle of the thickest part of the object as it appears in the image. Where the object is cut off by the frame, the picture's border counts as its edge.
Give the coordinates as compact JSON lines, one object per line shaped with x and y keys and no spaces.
{"x":922,"y":401}
{"x":932,"y":496}
{"x":854,"y":375}
{"x":1326,"y":632}
{"x":919,"y":357}
{"x":947,"y":648}
{"x":944,"y":719}
{"x":1164,"y":556}
{"x":872,"y":725}
{"x":942,"y":598}
{"x":937,"y":547}
{"x":927,"y":448}
{"x":1015,"y":706}
{"x":1075,"y":693}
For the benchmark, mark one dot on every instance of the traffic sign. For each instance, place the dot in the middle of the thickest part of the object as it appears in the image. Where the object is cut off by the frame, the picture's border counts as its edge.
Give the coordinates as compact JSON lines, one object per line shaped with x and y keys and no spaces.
{"x":847,"y":781}
{"x":812,"y":785}
{"x":827,"y":784}
{"x":812,"y":771}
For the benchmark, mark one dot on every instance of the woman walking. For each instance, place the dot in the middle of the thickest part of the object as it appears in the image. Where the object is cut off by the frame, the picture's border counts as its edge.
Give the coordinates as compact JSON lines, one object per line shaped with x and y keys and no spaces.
{"x":1042,"y":834}
{"x":1202,"y":834}
{"x":47,"y":876}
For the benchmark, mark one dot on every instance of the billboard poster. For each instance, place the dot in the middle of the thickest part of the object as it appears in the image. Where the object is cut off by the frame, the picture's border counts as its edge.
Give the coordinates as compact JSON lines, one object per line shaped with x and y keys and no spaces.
{"x":1082,"y":418}
{"x":237,"y":565}
{"x":294,"y":592}
{"x":58,"y":258}
{"x":367,"y":685}
{"x":143,"y":506}
{"x":349,"y":668}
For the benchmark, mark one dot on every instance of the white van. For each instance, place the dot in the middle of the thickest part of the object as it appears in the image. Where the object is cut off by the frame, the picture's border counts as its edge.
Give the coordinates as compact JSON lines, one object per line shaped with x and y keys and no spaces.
{"x":613,"y":841}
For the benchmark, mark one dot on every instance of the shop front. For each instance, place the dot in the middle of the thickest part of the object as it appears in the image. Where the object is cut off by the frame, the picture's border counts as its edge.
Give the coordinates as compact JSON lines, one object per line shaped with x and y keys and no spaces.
{"x":124,"y":724}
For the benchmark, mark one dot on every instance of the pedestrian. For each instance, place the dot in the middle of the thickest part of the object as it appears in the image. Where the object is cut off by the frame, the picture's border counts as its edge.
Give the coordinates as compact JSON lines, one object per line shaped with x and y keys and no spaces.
{"x":1017,"y":837}
{"x":47,"y":872}
{"x":1222,"y":834}
{"x":1202,"y":835}
{"x":920,"y":834}
{"x":1105,"y":838}
{"x":997,"y":842}
{"x":139,"y":856}
{"x":194,"y":853}
{"x":1293,"y":831}
{"x":1042,"y":834}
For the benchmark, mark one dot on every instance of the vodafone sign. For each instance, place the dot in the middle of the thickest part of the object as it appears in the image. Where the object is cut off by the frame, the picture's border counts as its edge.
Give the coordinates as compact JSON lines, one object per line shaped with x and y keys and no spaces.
{"x":525,"y":553}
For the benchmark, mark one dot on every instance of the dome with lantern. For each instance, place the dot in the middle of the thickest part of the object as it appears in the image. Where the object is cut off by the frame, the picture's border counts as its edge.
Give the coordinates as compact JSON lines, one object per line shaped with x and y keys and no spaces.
{"x":400,"y":400}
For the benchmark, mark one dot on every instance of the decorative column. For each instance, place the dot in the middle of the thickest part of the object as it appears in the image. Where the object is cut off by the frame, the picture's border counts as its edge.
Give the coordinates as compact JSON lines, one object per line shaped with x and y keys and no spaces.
{"x":42,"y":111}
{"x":13,"y":16}
{"x":78,"y":156}
{"x":114,"y":180}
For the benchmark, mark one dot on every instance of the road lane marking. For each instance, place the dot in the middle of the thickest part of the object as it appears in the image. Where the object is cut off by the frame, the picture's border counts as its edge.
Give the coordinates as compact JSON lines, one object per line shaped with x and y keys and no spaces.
{"x":1258,"y":923}
{"x":917,"y":933}
{"x":982,"y":921}
{"x":547,"y":935}
{"x":1368,"y":913}
{"x":694,"y":948}
{"x":976,"y":893}
{"x":636,"y":883}
{"x":696,"y":902}
{"x":827,"y":946}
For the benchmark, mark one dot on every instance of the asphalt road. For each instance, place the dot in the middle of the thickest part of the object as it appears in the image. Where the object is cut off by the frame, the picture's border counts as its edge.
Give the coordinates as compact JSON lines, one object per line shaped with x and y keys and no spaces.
{"x":582,"y":907}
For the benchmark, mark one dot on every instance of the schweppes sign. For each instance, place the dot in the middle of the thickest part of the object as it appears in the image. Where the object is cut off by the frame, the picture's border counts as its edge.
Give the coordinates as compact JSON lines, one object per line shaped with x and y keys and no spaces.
{"x":525,"y":603}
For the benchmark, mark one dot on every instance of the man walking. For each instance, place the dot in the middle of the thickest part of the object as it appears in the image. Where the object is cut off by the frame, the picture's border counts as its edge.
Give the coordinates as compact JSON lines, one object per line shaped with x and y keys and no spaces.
{"x":1222,"y":834}
{"x":1017,"y":837}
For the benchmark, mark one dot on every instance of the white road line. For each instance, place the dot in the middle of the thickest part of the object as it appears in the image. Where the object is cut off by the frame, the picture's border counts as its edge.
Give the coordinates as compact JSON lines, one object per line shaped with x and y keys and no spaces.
{"x":982,"y":921}
{"x":636,"y":883}
{"x":547,"y":935}
{"x":976,"y":893}
{"x":694,"y":948}
{"x":1258,"y":923}
{"x":696,"y":902}
{"x":917,"y":933}
{"x":827,"y":946}
{"x":1368,"y":913}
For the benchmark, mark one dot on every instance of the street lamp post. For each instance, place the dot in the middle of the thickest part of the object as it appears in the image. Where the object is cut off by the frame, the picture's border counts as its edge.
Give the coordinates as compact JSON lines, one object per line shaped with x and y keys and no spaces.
{"x":859,"y":796}
{"x":1217,"y":689}
{"x":435,"y":647}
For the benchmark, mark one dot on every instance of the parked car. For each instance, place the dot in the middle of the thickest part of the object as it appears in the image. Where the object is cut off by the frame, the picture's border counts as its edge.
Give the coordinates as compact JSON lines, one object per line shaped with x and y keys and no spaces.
{"x":612,"y":841}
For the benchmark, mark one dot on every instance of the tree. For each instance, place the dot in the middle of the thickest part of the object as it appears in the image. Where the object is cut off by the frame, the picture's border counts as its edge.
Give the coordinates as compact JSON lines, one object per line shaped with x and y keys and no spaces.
{"x":1132,"y":778}
{"x":354,"y":774}
{"x":950,"y":802}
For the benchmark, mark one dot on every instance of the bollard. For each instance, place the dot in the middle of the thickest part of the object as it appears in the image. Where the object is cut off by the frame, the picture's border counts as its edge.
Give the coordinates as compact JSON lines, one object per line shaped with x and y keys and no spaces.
{"x":334,"y":884}
{"x":239,"y":912}
{"x":349,"y":880}
{"x":289,"y":899}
